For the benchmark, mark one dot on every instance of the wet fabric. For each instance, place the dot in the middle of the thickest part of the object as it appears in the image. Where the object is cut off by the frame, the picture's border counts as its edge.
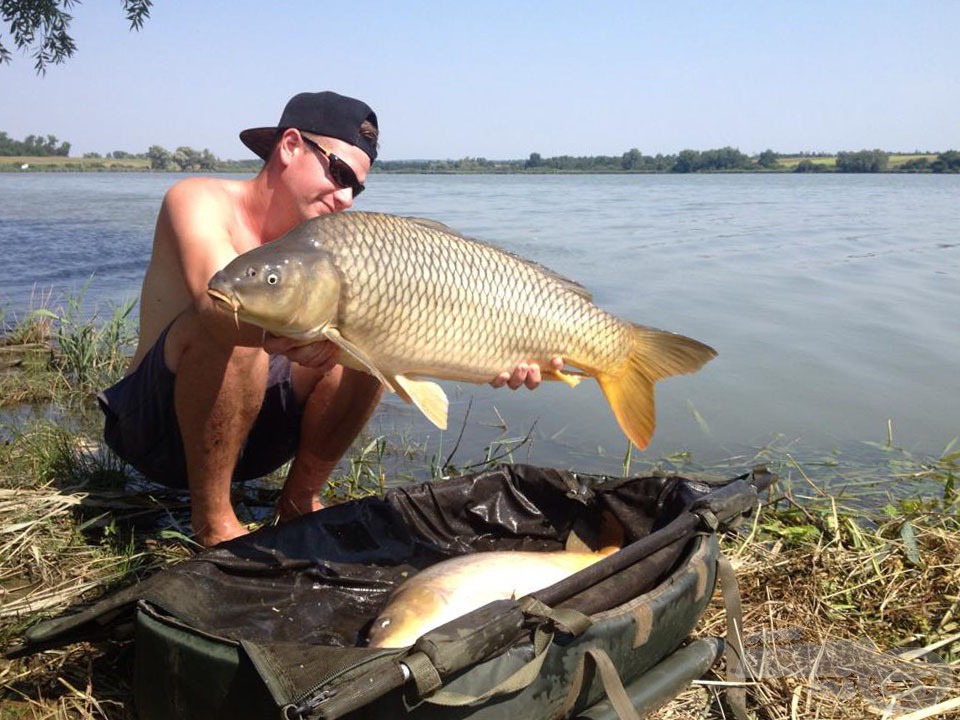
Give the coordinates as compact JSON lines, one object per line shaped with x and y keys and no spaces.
{"x":283,"y":612}
{"x":321,"y":578}
{"x":140,"y":423}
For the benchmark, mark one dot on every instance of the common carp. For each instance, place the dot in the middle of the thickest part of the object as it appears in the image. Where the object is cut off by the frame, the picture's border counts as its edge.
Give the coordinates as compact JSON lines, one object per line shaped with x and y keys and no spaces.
{"x":451,"y":588}
{"x":408,"y":298}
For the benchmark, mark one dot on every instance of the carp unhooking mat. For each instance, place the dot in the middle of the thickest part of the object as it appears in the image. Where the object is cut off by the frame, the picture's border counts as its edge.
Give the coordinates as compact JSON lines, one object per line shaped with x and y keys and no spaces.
{"x":272,"y":624}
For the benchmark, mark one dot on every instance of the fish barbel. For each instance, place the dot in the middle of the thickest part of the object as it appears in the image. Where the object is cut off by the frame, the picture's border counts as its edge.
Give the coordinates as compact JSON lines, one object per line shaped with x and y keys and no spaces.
{"x":408,"y":298}
{"x":449,"y":589}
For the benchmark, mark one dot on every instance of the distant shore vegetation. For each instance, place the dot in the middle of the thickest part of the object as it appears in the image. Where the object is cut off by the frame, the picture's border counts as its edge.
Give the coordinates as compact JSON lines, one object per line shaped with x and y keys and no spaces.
{"x":47,"y":153}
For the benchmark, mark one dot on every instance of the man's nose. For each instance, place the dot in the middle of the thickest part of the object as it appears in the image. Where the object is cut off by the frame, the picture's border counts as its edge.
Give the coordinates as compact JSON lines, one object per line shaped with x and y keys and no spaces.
{"x":343,"y":198}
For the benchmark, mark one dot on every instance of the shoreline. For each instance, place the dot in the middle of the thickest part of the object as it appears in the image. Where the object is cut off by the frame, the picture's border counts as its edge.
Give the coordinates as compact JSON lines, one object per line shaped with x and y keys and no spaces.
{"x":898,"y":163}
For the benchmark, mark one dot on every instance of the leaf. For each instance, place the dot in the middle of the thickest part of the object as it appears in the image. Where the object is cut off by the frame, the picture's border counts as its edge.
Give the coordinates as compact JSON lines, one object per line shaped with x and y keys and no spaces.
{"x":910,"y":542}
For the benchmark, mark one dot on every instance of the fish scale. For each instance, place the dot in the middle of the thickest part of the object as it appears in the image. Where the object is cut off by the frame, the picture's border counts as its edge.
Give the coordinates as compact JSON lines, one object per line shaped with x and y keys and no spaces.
{"x":408,"y":298}
{"x":443,"y":305}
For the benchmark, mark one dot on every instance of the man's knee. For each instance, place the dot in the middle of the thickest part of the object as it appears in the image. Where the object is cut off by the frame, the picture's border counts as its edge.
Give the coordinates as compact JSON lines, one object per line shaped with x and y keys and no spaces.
{"x":338,"y":385}
{"x":190,"y":337}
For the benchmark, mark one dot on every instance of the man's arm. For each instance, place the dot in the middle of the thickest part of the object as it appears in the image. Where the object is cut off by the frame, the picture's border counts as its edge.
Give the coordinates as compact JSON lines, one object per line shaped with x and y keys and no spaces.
{"x":194,"y":226}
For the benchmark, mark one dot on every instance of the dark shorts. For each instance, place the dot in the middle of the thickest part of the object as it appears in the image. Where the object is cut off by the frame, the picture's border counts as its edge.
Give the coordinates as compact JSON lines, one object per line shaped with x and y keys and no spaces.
{"x":141,"y":425}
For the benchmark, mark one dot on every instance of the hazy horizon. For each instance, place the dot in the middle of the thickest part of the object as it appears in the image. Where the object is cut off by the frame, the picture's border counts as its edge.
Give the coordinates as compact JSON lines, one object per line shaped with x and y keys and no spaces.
{"x":502,"y":80}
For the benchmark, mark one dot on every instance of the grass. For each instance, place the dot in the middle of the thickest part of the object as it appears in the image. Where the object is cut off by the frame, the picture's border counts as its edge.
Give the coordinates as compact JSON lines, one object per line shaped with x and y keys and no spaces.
{"x":68,"y":163}
{"x":62,"y":356}
{"x":850,"y":574}
{"x":895,"y":160}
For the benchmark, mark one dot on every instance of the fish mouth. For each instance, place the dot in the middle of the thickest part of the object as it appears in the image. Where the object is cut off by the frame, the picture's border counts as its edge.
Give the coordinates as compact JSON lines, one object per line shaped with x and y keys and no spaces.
{"x":223,"y":301}
{"x":227,"y":303}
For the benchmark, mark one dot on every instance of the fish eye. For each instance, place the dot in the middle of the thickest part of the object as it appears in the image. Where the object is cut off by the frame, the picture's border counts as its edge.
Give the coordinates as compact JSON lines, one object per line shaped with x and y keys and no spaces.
{"x":273,"y":279}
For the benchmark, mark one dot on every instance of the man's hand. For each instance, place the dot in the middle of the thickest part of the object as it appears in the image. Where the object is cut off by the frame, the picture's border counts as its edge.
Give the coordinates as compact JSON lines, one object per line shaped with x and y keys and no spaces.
{"x":320,"y":355}
{"x":525,"y":374}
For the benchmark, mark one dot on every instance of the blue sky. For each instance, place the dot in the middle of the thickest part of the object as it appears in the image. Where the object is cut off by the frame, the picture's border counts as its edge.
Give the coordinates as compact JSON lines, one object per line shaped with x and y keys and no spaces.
{"x":504,"y":79}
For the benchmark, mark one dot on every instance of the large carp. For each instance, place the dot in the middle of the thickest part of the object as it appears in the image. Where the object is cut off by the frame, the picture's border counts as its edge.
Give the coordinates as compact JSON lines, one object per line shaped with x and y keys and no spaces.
{"x":449,"y":589}
{"x":406,"y":298}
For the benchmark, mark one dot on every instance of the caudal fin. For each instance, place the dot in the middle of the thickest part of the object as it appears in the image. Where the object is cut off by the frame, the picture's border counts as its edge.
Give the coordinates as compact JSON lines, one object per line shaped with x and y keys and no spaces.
{"x":628,"y":387}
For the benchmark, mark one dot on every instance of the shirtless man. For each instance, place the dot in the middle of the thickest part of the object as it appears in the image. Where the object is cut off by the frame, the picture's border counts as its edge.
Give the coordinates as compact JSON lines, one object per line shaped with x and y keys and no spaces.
{"x":205,"y":403}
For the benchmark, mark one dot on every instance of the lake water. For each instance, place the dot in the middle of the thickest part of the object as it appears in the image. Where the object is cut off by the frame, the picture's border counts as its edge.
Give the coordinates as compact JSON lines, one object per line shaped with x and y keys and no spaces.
{"x":833,"y":300}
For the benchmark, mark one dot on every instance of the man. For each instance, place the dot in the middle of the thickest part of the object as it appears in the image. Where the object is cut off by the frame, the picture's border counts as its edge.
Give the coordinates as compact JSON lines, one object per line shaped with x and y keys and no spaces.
{"x":206,"y":402}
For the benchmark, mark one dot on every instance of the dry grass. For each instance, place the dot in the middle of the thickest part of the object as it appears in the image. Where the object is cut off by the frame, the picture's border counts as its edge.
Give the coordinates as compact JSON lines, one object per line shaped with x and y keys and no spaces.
{"x":847,"y":613}
{"x":841,"y":606}
{"x":72,"y":163}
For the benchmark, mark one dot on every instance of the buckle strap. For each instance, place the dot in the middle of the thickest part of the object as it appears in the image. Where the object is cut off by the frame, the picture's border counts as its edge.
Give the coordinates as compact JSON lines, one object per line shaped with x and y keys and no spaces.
{"x":520,"y":679}
{"x":572,"y":620}
{"x":424,"y":674}
{"x":429,"y":683}
{"x":737,"y":669}
{"x":612,"y":685}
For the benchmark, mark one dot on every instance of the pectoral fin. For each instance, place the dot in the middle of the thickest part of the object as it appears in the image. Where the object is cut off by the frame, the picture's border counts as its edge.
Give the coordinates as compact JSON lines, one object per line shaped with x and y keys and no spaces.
{"x":356,"y":357}
{"x":570,"y":378}
{"x":426,"y":395}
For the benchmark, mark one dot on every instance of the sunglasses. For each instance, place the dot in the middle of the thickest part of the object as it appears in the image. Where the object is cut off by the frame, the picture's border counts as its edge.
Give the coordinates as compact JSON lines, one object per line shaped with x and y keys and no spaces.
{"x":341,"y":173}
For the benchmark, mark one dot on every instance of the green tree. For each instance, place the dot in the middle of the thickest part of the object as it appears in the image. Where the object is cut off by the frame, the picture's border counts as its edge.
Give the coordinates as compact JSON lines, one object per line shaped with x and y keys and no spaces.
{"x":43,"y":26}
{"x":687,"y":161}
{"x":946,"y":162}
{"x":768,"y":159}
{"x":632,"y":160}
{"x":207,"y":160}
{"x":808,"y":166}
{"x":534,"y":161}
{"x":159,"y":157}
{"x":914,"y":165}
{"x":185,"y":157}
{"x":863,"y":161}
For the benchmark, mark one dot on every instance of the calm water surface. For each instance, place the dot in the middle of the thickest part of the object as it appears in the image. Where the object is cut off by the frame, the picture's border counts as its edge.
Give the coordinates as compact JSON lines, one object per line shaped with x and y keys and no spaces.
{"x":834,"y":301}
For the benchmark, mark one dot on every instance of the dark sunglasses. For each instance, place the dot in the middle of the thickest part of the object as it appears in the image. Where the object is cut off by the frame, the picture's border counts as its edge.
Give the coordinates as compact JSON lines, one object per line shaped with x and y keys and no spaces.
{"x":341,"y":173}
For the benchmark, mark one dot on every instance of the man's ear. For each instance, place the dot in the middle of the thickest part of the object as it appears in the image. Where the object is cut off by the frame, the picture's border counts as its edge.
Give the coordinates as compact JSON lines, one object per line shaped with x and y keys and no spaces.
{"x":289,"y":145}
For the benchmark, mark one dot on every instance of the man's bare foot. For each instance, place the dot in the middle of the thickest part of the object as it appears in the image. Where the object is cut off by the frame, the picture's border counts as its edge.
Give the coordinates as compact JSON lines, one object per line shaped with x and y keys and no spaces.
{"x":210,"y":533}
{"x":290,"y":507}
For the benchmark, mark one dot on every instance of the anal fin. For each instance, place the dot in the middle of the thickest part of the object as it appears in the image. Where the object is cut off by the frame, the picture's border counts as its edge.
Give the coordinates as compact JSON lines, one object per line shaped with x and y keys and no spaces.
{"x":570,"y":378}
{"x":426,"y":395}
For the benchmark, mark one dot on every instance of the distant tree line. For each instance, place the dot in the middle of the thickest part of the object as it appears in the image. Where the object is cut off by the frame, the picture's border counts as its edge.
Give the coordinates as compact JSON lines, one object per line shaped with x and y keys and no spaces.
{"x":946,"y":162}
{"x":183,"y":158}
{"x":33,"y":145}
{"x":726,"y":159}
{"x":631,"y":161}
{"x":864,"y":161}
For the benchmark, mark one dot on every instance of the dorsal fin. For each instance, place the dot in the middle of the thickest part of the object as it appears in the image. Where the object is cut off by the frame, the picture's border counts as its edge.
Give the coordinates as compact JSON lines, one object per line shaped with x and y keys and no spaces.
{"x":568,"y":284}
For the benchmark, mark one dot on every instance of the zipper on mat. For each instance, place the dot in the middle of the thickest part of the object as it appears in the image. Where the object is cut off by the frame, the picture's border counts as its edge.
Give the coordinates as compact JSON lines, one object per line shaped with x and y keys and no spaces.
{"x":309,"y":700}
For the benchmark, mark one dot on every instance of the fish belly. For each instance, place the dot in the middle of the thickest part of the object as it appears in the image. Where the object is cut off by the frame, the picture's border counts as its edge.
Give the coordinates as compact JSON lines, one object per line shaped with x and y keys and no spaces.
{"x":449,"y":589}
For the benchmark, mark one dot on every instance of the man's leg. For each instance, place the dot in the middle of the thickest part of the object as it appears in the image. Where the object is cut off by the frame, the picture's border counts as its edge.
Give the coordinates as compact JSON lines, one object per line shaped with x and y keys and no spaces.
{"x":338,"y":405}
{"x":217,"y":393}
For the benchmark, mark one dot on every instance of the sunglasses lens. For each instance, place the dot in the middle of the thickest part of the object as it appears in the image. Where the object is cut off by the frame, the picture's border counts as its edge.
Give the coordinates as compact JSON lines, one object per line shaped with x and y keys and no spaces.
{"x":343,"y":175}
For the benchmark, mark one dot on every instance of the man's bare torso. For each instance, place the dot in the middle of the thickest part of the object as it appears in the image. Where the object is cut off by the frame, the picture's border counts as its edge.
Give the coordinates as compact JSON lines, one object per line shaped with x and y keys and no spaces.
{"x":209,"y":233}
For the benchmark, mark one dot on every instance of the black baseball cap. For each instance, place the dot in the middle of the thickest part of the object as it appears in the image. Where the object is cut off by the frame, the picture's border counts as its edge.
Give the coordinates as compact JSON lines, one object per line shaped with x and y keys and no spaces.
{"x":322,"y":113}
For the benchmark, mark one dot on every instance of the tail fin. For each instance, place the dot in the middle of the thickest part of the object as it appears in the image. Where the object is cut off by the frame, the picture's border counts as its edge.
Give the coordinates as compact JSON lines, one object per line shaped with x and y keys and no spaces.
{"x":628,"y":387}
